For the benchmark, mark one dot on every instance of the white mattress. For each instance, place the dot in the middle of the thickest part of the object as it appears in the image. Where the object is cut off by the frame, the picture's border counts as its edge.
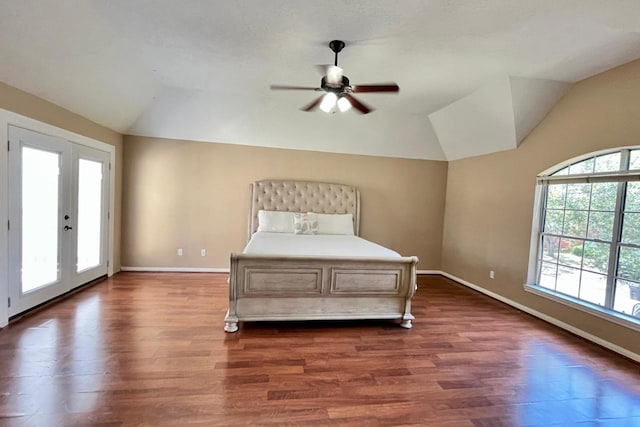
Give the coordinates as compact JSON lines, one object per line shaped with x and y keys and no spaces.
{"x":265,"y":243}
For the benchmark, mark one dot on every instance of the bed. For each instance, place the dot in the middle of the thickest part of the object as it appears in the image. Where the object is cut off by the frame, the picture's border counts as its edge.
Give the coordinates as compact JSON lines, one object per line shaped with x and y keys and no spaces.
{"x":288,"y":276}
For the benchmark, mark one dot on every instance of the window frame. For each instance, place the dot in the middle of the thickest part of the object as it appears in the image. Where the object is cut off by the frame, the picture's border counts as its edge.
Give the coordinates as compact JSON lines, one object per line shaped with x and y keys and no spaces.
{"x":622,"y":176}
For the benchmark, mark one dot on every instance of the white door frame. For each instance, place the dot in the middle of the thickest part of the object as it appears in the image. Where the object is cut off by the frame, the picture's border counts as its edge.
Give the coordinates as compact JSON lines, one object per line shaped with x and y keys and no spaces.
{"x":10,"y":118}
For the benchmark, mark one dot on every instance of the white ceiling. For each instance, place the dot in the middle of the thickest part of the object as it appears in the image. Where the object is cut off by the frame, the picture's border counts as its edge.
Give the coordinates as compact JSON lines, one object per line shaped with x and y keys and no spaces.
{"x":201,"y":70}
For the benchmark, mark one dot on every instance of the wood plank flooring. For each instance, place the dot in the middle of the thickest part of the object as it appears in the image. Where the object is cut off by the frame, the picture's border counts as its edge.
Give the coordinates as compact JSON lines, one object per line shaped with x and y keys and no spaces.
{"x":149,"y":349}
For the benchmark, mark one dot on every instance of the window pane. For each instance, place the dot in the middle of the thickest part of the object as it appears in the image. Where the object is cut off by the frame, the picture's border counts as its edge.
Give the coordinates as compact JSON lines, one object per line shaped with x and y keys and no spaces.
{"x":629,"y":263}
{"x":578,"y":196}
{"x":568,"y":281}
{"x":608,"y":163}
{"x":548,"y":275}
{"x":632,"y":201}
{"x":627,"y":296}
{"x":556,"y":196}
{"x":571,"y":252}
{"x":593,"y":287}
{"x":550,"y":248}
{"x":575,"y":223}
{"x":631,"y":228}
{"x":585,"y":166}
{"x":603,"y":197}
{"x":563,"y":171}
{"x":596,"y":256}
{"x":601,"y":225}
{"x":634,"y":160}
{"x":553,"y":221}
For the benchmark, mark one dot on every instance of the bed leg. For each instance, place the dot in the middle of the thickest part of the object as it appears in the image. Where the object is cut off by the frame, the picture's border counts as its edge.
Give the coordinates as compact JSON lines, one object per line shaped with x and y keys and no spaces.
{"x":406,"y":321}
{"x":231,"y":326}
{"x":230,"y":322}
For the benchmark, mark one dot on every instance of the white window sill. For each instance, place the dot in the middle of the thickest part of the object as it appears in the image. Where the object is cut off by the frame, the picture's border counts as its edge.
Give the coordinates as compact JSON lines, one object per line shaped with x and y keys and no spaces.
{"x":596,"y":310}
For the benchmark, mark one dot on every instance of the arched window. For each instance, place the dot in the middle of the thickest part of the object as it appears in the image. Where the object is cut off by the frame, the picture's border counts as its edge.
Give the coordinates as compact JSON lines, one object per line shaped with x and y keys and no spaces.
{"x":586,"y":235}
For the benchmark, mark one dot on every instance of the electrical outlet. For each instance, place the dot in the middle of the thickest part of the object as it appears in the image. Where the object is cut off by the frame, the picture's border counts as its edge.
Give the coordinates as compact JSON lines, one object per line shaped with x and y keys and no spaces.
{"x":203,"y":252}
{"x":492,"y":275}
{"x":179,"y":251}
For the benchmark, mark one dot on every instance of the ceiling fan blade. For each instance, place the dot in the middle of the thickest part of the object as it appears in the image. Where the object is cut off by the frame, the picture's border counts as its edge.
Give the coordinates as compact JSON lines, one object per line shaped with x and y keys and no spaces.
{"x":279,"y":87}
{"x":313,"y":105}
{"x":357,"y":104}
{"x":380,"y":87}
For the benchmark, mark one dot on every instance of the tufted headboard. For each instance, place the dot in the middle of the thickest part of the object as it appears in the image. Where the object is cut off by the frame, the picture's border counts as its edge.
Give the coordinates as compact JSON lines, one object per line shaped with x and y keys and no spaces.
{"x":303,"y":196}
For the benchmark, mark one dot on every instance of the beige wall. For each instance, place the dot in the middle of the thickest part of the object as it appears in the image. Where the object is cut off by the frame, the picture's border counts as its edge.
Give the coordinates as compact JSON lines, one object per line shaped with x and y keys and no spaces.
{"x":194,"y":195}
{"x":20,"y":102}
{"x":489,"y":202}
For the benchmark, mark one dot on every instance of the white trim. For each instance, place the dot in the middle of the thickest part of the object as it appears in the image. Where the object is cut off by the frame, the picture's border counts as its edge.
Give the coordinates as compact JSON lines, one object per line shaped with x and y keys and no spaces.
{"x":4,"y":218}
{"x":618,"y":176}
{"x":112,"y":213}
{"x":428,"y":272}
{"x":176,"y":269}
{"x":549,"y":319}
{"x":10,"y":118}
{"x":536,"y":222}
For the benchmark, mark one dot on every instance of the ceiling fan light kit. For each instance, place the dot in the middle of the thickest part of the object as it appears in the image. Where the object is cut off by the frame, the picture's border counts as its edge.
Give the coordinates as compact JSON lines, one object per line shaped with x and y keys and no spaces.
{"x":338,"y":88}
{"x":344,"y":104}
{"x":328,"y":102}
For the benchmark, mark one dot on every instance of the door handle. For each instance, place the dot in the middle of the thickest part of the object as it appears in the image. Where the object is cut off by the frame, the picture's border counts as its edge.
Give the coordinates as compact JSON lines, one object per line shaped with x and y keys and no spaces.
{"x":66,"y":227}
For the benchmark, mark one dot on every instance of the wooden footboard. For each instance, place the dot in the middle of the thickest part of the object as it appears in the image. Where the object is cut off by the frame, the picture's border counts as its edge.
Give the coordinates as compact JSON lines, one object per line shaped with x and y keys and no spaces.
{"x":269,"y":287}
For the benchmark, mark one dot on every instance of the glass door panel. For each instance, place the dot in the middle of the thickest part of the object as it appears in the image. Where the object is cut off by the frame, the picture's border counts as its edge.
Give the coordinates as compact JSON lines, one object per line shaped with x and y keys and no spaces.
{"x":89,"y":214}
{"x":40,"y":208}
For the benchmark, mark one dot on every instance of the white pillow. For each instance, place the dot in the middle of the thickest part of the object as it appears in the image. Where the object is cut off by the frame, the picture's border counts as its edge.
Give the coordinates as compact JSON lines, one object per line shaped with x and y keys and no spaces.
{"x":335,"y":224}
{"x":306,"y":223}
{"x":276,"y":221}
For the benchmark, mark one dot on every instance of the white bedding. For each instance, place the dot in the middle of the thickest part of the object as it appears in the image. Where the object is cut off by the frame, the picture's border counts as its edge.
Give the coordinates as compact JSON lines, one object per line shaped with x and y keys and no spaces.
{"x":315,"y":245}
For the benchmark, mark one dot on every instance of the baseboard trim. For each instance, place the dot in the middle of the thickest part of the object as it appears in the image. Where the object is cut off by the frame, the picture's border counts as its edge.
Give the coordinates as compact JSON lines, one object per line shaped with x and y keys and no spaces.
{"x":428,"y":272}
{"x":176,"y":269}
{"x":549,"y":319}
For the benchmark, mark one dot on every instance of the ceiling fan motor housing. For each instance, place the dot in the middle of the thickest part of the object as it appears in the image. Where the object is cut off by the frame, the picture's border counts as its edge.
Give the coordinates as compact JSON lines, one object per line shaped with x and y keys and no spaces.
{"x":335,"y":88}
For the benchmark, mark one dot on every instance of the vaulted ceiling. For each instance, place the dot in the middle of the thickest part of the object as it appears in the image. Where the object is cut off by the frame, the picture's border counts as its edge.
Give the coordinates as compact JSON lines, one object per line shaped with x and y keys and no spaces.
{"x":474,"y":76}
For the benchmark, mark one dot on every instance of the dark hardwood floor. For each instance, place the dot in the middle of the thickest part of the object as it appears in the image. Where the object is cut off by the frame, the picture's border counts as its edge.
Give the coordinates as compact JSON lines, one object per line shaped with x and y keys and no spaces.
{"x":149,"y":349}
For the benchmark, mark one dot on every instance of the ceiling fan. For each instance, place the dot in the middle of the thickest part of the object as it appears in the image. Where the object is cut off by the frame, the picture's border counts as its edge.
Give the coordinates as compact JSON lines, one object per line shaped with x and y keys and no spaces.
{"x":339,"y":91}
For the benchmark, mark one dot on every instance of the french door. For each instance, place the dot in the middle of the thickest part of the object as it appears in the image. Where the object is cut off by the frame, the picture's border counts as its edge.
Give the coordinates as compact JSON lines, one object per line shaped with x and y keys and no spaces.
{"x":58,"y":204}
